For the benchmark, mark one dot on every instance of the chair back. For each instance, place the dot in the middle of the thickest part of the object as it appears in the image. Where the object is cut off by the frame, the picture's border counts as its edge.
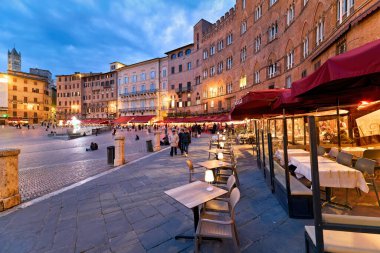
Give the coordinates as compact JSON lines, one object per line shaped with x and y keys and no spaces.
{"x":333,"y":152}
{"x":366,"y":166}
{"x":321,"y":151}
{"x":234,"y":199}
{"x":344,"y":159}
{"x":231,"y":181}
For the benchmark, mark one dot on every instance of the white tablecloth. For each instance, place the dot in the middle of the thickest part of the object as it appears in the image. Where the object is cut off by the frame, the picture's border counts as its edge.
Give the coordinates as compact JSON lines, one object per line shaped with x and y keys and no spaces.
{"x":279,"y":154}
{"x":331,"y":173}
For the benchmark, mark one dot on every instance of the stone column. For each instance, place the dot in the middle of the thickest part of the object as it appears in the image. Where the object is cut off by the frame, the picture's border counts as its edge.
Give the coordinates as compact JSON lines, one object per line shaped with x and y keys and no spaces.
{"x":119,"y":151}
{"x":157,"y":138}
{"x":9,"y":193}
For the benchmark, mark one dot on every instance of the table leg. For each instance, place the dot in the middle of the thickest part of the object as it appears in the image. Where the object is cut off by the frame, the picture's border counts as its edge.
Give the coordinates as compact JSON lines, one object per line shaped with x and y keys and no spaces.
{"x":329,"y":200}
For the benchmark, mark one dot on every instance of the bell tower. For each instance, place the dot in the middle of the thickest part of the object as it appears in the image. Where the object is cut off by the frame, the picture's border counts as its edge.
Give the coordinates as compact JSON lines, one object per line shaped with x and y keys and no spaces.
{"x":14,"y":60}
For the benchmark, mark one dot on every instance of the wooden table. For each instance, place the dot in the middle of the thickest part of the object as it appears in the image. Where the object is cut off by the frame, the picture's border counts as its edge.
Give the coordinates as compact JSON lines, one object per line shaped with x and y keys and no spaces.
{"x":213,"y":164}
{"x":192,"y":195}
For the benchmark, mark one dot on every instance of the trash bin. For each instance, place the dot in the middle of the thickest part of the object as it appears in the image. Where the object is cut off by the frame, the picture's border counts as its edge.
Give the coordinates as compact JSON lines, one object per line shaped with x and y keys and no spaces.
{"x":110,"y":154}
{"x":149,"y":146}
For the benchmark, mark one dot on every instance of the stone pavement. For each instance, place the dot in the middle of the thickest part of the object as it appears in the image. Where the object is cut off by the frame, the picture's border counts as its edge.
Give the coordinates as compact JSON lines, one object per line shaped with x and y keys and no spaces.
{"x":128,"y":211}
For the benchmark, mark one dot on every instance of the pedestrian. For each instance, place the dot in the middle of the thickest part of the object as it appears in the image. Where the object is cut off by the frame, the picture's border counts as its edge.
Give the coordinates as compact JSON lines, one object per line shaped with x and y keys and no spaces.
{"x":137,"y":138}
{"x":173,"y":139}
{"x":181,"y":136}
{"x":186,"y":140}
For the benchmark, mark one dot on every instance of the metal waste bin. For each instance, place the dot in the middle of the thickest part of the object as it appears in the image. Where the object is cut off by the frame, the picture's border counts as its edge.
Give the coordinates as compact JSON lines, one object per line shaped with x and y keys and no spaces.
{"x":149,"y":146}
{"x":110,"y":154}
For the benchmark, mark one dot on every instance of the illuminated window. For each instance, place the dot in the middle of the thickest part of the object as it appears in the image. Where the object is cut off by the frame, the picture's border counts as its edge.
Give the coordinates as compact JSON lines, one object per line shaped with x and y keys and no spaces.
{"x":243,"y":82}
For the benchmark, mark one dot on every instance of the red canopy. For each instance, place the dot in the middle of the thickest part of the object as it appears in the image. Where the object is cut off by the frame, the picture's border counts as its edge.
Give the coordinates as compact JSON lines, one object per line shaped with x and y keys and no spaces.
{"x":142,"y":119}
{"x":123,"y":119}
{"x":351,"y":77}
{"x":256,"y":104}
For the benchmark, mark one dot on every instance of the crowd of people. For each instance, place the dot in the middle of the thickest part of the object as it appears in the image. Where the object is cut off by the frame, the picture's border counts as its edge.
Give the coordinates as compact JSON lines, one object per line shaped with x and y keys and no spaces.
{"x":180,"y":138}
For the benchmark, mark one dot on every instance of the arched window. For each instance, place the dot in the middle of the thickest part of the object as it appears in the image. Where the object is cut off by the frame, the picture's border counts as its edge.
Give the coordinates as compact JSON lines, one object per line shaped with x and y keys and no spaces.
{"x":180,"y":54}
{"x":188,"y":51}
{"x":173,"y":56}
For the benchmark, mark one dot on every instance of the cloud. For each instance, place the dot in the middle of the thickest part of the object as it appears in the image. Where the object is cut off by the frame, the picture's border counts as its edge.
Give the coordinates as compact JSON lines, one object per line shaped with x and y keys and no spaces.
{"x":86,"y":35}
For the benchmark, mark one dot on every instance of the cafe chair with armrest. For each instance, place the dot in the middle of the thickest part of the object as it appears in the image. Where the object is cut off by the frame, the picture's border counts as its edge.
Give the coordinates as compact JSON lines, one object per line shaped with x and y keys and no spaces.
{"x":192,"y":171}
{"x":344,"y":159}
{"x":333,"y":153}
{"x":219,"y":225}
{"x":223,"y":173}
{"x":221,"y":204}
{"x":373,"y":154}
{"x":367,"y":167}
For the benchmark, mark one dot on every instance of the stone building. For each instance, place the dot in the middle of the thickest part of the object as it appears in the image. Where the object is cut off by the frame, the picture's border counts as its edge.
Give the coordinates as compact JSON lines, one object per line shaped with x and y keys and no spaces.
{"x":29,"y":97}
{"x":14,"y":60}
{"x":143,"y":88}
{"x":99,"y":95}
{"x":69,"y":96}
{"x":269,"y":44}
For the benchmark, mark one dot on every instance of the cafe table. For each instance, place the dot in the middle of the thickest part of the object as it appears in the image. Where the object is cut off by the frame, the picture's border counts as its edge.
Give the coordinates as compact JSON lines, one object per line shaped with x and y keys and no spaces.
{"x":331,"y":175}
{"x":214,"y":164}
{"x":279,"y":154}
{"x":192,"y":195}
{"x":355,"y":151}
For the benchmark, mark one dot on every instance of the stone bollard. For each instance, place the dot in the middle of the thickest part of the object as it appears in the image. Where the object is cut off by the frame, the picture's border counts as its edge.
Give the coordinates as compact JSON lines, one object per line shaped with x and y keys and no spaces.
{"x":9,"y":192}
{"x":157,"y":138}
{"x":119,"y":151}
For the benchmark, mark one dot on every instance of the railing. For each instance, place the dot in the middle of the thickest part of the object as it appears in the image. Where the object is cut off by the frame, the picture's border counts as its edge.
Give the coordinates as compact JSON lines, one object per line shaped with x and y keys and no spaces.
{"x":183,"y":89}
{"x":138,"y":109}
{"x":134,"y":93}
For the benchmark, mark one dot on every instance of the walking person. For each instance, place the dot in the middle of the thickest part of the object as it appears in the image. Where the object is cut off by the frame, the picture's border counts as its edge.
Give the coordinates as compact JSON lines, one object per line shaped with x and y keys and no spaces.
{"x":186,"y":141}
{"x":181,"y":136}
{"x":173,"y":139}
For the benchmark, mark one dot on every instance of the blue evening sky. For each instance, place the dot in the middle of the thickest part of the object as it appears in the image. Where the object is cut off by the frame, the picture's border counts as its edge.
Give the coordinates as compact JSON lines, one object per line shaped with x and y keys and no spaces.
{"x":66,"y":36}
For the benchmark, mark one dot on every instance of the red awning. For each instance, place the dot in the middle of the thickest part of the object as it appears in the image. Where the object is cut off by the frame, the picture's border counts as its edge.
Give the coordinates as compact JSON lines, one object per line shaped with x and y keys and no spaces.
{"x":142,"y":119}
{"x":15,"y":119}
{"x":123,"y":120}
{"x":349,"y":77}
{"x":255,"y":104}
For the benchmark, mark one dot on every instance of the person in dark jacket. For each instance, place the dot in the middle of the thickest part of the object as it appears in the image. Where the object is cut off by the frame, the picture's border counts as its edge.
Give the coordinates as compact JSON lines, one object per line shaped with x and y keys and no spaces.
{"x":186,"y":141}
{"x":181,"y":136}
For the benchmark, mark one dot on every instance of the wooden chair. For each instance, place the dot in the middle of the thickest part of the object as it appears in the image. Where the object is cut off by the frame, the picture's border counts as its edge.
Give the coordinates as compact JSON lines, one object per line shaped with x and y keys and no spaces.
{"x":367,"y":167}
{"x":219,"y":225}
{"x":192,"y":171}
{"x":223,"y":173}
{"x":221,"y":204}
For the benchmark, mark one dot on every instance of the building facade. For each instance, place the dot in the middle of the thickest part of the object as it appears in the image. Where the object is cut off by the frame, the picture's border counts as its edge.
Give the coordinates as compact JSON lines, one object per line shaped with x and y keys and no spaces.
{"x":69,"y":96}
{"x":143,"y":88}
{"x":269,"y":44}
{"x":29,"y":97}
{"x":99,"y":95}
{"x":14,"y":60}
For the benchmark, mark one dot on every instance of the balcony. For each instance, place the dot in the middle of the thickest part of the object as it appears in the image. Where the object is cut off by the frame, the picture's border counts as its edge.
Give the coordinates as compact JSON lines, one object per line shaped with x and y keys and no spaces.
{"x":184,"y":89}
{"x":138,"y":109}
{"x":137,"y":93}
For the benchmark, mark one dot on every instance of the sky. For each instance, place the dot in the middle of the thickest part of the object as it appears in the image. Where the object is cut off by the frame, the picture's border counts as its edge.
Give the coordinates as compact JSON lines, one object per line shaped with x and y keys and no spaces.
{"x":66,"y":36}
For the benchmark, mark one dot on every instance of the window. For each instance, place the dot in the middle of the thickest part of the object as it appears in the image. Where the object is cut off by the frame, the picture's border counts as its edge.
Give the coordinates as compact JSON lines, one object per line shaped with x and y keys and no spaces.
{"x":14,"y":87}
{"x":173,"y":70}
{"x":142,"y":77}
{"x":180,"y":68}
{"x":133,"y":89}
{"x":212,"y":50}
{"x":26,"y":89}
{"x":152,"y":74}
{"x":304,"y":73}
{"x":229,"y":88}
{"x":273,"y":30}
{"x":272,"y":69}
{"x":126,"y":90}
{"x":213,"y":92}
{"x":188,"y":51}
{"x":134,"y":78}
{"x":290,"y":60}
{"x":343,"y":9}
{"x":243,"y":4}
{"x":341,"y":47}
{"x":152,"y":87}
{"x":220,"y":45}
{"x":258,"y":12}
{"x":243,"y":54}
{"x":319,"y":32}
{"x":172,"y":86}
{"x":180,"y":54}
{"x":25,"y":100}
{"x":257,"y":77}
{"x":126,"y":79}
{"x":305,"y":2}
{"x":164,"y":85}
{"x":243,"y":82}
{"x":243,"y":27}
{"x":220,"y":67}
{"x":229,"y":39}
{"x":205,"y":54}
{"x":205,"y":73}
{"x":229,"y":63}
{"x":197,"y":80}
{"x":164,"y":73}
{"x":272,"y":2}
{"x":189,"y":66}
{"x":212,"y":103}
{"x":173,"y":56}
{"x":212,"y":71}
{"x":288,"y":82}
{"x":317,"y":65}
{"x":257,"y":43}
{"x":290,"y":15}
{"x":305,"y":47}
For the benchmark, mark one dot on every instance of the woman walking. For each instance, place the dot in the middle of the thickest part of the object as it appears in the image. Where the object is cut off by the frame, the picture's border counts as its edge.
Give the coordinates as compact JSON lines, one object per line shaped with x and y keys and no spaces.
{"x":173,"y":139}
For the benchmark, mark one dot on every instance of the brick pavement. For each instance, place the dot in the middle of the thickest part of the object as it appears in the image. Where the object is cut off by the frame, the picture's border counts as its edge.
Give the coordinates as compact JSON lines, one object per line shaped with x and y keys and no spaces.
{"x":127,"y":211}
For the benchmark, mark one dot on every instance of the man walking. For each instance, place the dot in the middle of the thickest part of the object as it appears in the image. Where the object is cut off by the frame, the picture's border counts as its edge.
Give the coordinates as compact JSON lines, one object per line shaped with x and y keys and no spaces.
{"x":173,"y":139}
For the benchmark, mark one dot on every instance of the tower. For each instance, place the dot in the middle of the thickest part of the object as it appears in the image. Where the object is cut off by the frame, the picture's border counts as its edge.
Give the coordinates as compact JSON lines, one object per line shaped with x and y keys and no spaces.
{"x":14,"y":60}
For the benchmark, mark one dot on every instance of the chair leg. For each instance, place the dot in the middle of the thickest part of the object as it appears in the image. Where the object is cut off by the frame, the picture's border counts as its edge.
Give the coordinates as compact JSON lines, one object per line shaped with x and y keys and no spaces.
{"x":236,"y":235}
{"x":377,"y":194}
{"x":196,"y":245}
{"x":236,"y":243}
